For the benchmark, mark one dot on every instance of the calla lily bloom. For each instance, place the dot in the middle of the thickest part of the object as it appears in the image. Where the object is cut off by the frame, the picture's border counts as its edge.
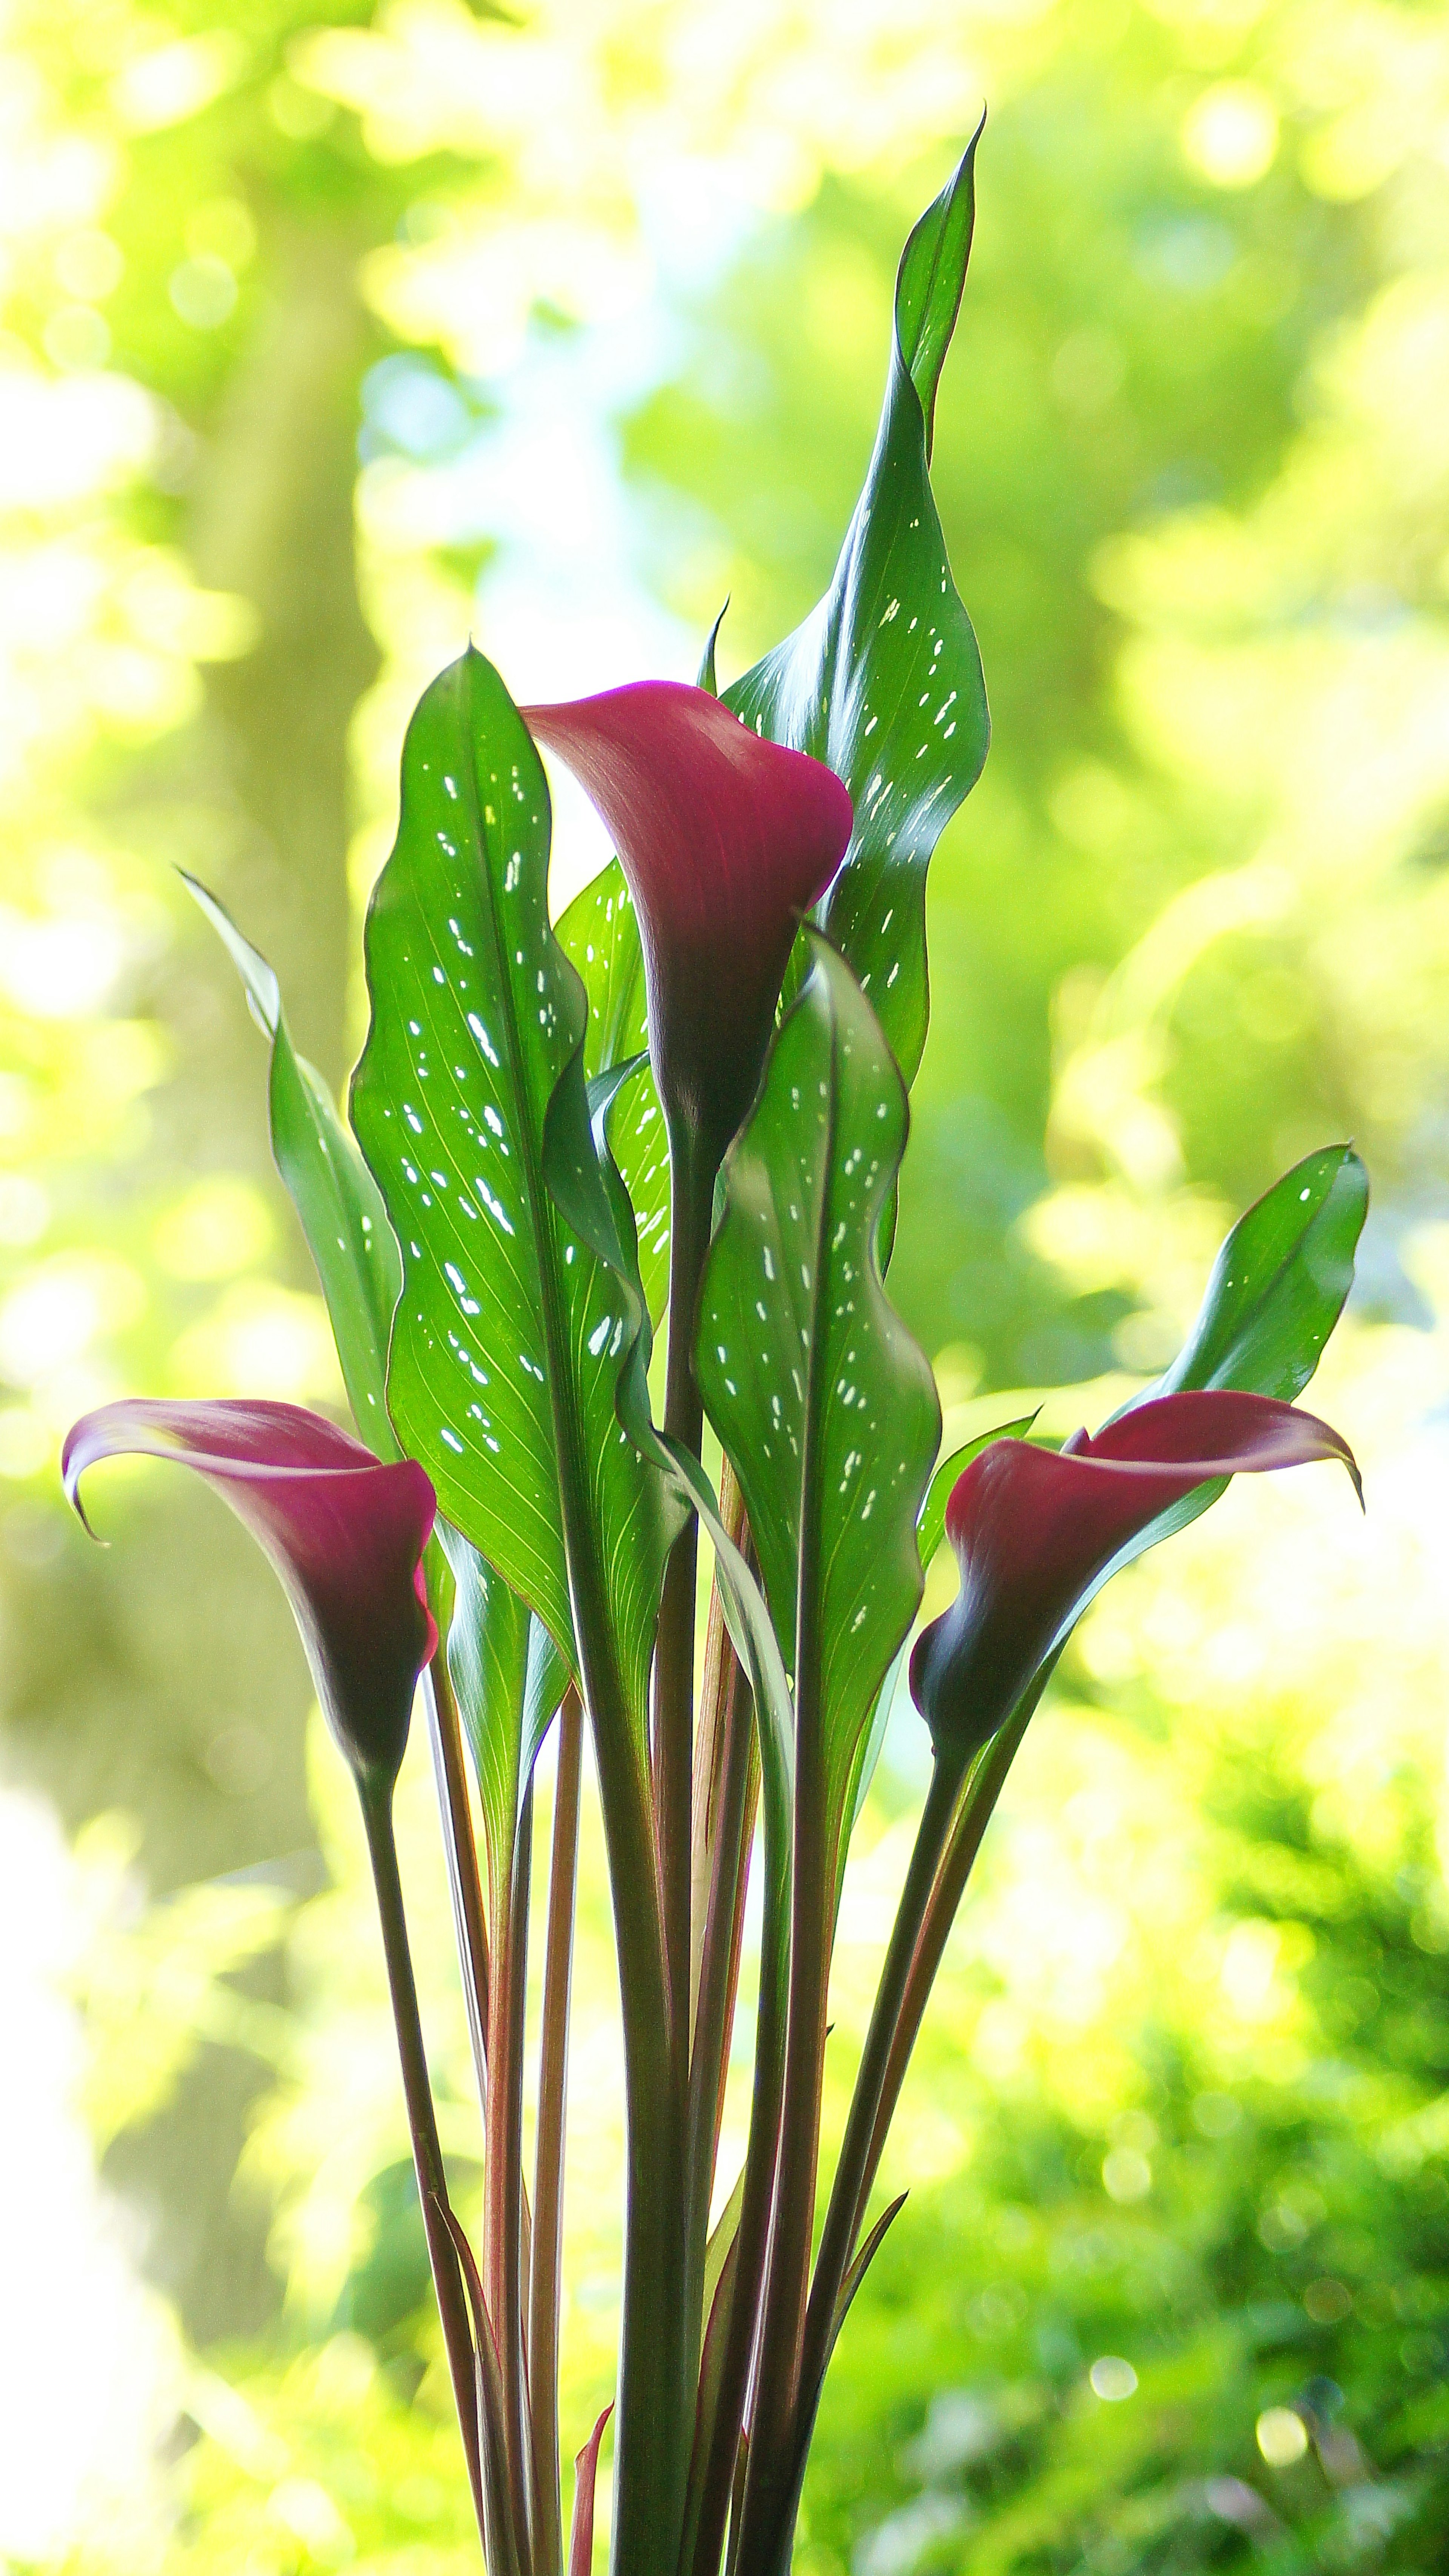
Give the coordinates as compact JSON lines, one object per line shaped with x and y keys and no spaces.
{"x":345,"y":1533}
{"x":1033,"y":1529}
{"x":725,"y":840}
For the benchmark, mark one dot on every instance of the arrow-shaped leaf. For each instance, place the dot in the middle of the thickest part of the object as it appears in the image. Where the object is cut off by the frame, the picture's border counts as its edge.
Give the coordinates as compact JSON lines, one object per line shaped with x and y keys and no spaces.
{"x":824,"y":1404}
{"x":883,"y":681}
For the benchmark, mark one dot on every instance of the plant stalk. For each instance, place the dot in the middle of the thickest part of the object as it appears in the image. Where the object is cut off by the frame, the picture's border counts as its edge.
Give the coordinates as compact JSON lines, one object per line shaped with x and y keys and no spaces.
{"x":461,"y":1850}
{"x":849,"y":2189}
{"x":720,"y":2483}
{"x":503,"y":2174}
{"x":984,"y":1787}
{"x":710,"y":1737}
{"x":692,"y":1184}
{"x":548,"y":2166}
{"x":422,"y":2123}
{"x":718,"y":1967}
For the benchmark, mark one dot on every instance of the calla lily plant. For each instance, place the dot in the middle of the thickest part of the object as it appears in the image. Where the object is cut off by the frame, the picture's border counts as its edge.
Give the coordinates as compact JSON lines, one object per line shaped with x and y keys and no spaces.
{"x":680,"y":1111}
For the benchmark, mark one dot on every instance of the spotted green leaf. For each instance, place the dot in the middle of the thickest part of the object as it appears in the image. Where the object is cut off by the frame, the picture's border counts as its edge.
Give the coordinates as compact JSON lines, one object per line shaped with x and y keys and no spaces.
{"x":883,"y":681}
{"x":510,"y":1332}
{"x":824,"y":1404}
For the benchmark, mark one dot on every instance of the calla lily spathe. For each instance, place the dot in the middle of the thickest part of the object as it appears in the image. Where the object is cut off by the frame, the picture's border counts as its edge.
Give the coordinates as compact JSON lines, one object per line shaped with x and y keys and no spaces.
{"x":344,"y":1532}
{"x":1034,"y":1528}
{"x":725,"y":839}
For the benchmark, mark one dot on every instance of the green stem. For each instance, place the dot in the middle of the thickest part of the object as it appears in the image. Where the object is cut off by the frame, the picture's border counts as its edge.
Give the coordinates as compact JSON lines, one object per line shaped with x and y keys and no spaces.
{"x":503,"y":2174}
{"x":461,"y":1850}
{"x":812,"y":1917}
{"x":849,"y":2190}
{"x":983,"y":1789}
{"x":718,"y":1963}
{"x":710,"y":1737}
{"x":752,"y":2239}
{"x":422,"y":2123}
{"x":947,"y":1842}
{"x":782,"y":2319}
{"x":692,"y":1185}
{"x":548,"y":2167}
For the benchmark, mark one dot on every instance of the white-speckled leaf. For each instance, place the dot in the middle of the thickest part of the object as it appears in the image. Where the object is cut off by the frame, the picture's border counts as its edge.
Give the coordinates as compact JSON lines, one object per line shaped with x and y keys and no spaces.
{"x":824,"y":1404}
{"x":883,"y":680}
{"x":510,"y":1332}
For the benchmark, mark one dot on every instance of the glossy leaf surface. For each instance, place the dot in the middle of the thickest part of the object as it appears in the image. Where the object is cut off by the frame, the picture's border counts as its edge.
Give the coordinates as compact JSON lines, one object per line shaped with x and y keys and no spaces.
{"x":336,"y":1198}
{"x":931,"y":1527}
{"x":599,"y":935}
{"x":1278,"y":1287}
{"x":1279,"y":1283}
{"x":510,"y":1332}
{"x":823,"y":1402}
{"x":883,"y":681}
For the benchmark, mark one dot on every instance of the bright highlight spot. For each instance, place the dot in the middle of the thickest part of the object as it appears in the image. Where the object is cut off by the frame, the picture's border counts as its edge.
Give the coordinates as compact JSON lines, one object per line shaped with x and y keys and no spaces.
{"x":1113,"y":2379}
{"x":1126,"y":2175}
{"x":1282,"y":2436}
{"x":1230,"y":134}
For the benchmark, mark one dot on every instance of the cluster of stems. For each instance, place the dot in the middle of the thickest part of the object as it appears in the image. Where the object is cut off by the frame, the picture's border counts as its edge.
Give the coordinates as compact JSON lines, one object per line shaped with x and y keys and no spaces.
{"x":726,"y":2336}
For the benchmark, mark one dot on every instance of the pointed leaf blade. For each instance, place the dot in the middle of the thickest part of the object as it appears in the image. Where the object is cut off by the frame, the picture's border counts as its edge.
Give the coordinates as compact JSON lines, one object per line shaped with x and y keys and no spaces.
{"x":1279,"y":1283}
{"x":883,"y":681}
{"x":336,"y":1198}
{"x":1278,"y":1286}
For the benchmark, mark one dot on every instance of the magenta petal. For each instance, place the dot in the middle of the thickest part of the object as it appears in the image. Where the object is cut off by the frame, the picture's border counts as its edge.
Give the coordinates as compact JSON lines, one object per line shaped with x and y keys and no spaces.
{"x":726,"y":840}
{"x":345,"y":1533}
{"x":1033,"y":1528}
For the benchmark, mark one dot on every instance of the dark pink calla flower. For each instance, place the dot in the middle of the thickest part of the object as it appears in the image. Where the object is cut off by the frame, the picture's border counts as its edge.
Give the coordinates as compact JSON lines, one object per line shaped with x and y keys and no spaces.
{"x":345,"y":1533}
{"x":726,"y":840}
{"x":1034,"y":1528}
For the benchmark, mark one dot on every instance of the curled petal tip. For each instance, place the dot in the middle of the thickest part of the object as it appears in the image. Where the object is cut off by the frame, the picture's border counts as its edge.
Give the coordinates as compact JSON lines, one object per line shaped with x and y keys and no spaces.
{"x":344,"y":1532}
{"x":1034,"y":1530}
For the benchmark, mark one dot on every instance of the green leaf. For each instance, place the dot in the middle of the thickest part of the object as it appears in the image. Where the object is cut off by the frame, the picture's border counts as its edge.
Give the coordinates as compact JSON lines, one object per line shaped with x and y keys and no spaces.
{"x":335,"y":1196}
{"x":824,"y":1404}
{"x":599,"y":934}
{"x":1279,"y":1283}
{"x":883,"y":681}
{"x":1278,"y":1287}
{"x":511,"y":1330}
{"x":706,"y":677}
{"x":931,"y":1527}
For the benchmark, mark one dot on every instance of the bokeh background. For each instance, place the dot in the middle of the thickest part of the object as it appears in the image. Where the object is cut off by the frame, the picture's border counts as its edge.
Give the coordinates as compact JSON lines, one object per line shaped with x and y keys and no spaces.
{"x":328,"y":337}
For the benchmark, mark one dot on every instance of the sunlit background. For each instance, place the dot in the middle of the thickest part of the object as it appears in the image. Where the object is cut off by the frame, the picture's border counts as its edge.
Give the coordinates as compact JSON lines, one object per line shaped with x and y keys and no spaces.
{"x":326,"y":340}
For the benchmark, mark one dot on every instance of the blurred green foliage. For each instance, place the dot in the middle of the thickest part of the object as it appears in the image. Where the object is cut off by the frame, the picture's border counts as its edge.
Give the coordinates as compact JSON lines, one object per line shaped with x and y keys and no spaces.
{"x":328,"y":333}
